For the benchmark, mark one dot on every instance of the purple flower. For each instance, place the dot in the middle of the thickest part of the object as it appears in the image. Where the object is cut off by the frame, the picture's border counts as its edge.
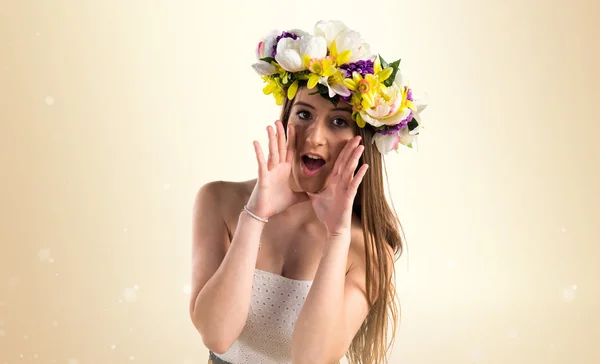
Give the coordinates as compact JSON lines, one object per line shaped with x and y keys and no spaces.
{"x":283,"y":35}
{"x":393,"y":129}
{"x":363,"y":67}
{"x":409,"y":95}
{"x":346,"y":98}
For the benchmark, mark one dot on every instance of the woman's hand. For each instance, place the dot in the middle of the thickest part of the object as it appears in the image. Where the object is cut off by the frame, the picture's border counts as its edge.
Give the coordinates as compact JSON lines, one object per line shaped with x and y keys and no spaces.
{"x":272,"y":193}
{"x":333,"y":205}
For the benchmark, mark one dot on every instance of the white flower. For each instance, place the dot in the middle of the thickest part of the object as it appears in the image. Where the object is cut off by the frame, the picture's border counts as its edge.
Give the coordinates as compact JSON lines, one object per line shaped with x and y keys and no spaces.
{"x":288,"y":55}
{"x":392,"y":107}
{"x":298,"y":32}
{"x":394,"y":111}
{"x":348,"y":39}
{"x":388,"y":108}
{"x":265,"y":49}
{"x":334,"y":87}
{"x":263,"y":68}
{"x":389,"y":142}
{"x":345,"y":39}
{"x":329,"y":29}
{"x":290,"y":51}
{"x":385,"y":143}
{"x":404,"y":136}
{"x":313,"y":46}
{"x":265,"y":46}
{"x":420,"y":102}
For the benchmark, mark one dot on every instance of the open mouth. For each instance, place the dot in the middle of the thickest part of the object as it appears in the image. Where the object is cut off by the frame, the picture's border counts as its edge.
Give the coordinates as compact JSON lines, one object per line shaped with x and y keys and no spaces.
{"x":312,"y":164}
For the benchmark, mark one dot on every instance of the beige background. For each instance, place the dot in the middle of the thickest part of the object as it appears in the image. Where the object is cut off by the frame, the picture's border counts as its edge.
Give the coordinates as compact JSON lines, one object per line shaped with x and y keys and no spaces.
{"x":114,"y":113}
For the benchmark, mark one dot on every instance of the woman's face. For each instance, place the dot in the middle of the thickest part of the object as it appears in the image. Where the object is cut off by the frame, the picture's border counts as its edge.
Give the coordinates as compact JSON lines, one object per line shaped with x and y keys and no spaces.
{"x":322,"y":131}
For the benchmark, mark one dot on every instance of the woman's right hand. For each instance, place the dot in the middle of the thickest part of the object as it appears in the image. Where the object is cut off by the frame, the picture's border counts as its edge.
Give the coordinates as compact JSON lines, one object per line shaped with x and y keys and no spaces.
{"x":272,"y":193}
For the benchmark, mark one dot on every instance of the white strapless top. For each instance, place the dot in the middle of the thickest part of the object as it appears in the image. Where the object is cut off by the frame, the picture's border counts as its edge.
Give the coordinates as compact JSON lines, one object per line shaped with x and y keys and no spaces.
{"x":274,"y":308}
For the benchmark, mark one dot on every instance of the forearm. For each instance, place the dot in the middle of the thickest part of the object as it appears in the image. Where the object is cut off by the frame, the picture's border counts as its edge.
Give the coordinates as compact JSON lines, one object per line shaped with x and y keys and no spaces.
{"x":318,"y":334}
{"x":221,"y":307}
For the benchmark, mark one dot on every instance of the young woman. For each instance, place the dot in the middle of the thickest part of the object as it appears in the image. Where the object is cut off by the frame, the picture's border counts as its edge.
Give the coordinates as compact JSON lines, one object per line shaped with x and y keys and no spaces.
{"x":297,"y":265}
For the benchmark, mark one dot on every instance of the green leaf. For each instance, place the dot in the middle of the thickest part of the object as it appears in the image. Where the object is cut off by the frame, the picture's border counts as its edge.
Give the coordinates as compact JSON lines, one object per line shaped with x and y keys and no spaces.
{"x":410,"y":145}
{"x":321,"y":90}
{"x":412,"y":124}
{"x":324,"y":92}
{"x":302,"y":75}
{"x":384,"y":64}
{"x":268,"y":59}
{"x":395,"y":65}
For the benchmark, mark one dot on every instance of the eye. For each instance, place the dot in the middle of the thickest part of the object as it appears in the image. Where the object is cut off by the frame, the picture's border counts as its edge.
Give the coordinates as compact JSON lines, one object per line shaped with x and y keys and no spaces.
{"x":339,"y":122}
{"x":303,"y":114}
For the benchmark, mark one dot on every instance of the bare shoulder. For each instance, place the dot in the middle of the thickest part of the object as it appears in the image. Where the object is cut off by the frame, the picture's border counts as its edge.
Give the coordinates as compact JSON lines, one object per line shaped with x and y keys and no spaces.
{"x":211,"y":228}
{"x":227,"y":200}
{"x":226,"y":189}
{"x":226,"y":195}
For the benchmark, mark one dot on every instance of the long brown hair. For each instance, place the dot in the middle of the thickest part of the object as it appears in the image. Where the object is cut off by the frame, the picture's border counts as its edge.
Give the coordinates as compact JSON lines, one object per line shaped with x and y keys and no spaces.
{"x":380,"y":226}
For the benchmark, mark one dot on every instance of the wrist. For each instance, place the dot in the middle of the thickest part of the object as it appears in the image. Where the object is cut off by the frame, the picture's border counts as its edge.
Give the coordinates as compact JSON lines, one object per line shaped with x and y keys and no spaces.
{"x":246,"y":220}
{"x":251,"y":227}
{"x":264,"y":218}
{"x":254,"y":209}
{"x":338,"y":237}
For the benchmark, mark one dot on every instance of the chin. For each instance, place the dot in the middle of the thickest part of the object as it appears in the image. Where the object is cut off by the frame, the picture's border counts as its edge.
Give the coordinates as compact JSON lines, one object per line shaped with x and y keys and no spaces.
{"x":312,"y":184}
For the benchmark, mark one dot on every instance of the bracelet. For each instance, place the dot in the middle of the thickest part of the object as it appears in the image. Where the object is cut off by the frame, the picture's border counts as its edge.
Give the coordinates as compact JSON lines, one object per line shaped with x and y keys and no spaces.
{"x":253,"y":215}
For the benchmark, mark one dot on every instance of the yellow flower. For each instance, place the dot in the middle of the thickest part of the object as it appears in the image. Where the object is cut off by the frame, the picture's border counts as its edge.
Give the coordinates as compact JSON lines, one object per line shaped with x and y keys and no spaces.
{"x":275,"y":88}
{"x":291,"y":92}
{"x":405,"y":101}
{"x":341,"y":58}
{"x":355,"y":100}
{"x":319,"y":68}
{"x":367,"y":86}
{"x":323,"y":71}
{"x":359,"y":121}
{"x":377,"y":65}
{"x":363,"y":86}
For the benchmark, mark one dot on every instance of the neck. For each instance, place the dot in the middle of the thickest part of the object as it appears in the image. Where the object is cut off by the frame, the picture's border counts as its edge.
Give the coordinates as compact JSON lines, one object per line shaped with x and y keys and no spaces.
{"x":301,"y":213}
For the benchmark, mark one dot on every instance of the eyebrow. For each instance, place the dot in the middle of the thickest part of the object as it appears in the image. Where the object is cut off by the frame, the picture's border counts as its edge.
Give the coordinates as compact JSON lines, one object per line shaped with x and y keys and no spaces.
{"x":301,"y":103}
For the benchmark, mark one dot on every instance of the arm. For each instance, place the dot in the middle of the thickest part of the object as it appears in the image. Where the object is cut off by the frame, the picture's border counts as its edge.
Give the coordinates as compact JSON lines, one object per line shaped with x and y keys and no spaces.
{"x":221,"y":283}
{"x":334,"y":310}
{"x":336,"y":305}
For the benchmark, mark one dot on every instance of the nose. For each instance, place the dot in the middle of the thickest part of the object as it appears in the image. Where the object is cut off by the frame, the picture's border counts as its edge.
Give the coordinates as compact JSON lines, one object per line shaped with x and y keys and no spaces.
{"x":316,"y":133}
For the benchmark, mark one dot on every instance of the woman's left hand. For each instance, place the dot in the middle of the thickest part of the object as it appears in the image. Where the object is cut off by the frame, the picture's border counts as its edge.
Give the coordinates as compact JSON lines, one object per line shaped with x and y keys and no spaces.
{"x":333,"y":205}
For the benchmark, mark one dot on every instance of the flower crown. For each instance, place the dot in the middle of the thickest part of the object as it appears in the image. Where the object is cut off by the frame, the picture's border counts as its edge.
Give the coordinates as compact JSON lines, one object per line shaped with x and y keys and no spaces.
{"x":339,"y":64}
